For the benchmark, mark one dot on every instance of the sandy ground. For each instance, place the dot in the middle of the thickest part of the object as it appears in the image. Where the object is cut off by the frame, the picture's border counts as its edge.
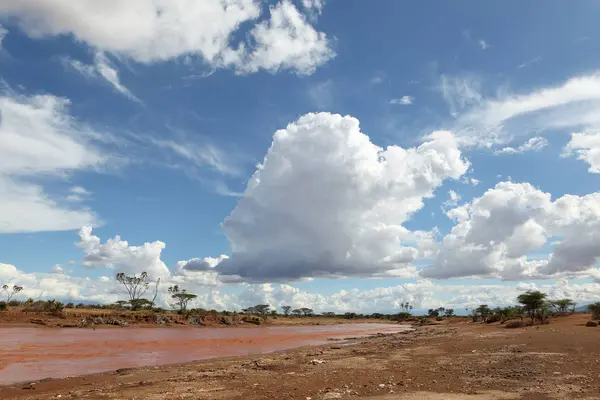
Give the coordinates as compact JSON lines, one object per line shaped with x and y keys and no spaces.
{"x":445,"y":362}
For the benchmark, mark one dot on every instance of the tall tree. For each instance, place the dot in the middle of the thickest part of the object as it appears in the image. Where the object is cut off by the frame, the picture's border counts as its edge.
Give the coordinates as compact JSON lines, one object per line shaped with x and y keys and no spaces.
{"x":11,"y":291}
{"x":136,"y":287}
{"x":181,"y":297}
{"x":533,"y":303}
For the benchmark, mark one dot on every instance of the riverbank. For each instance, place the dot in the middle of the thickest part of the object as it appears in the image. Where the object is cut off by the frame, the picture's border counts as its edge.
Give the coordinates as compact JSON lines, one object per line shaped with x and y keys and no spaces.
{"x":452,"y":361}
{"x":99,"y":318}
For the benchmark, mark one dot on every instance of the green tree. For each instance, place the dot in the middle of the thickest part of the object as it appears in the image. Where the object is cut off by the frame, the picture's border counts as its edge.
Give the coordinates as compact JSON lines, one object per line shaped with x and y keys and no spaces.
{"x":595,"y":310}
{"x":286,"y":310}
{"x":533,"y":302}
{"x":449,"y":312}
{"x":483,"y":311}
{"x":181,"y":297}
{"x":562,"y":306}
{"x":262,"y":309}
{"x":307,"y":312}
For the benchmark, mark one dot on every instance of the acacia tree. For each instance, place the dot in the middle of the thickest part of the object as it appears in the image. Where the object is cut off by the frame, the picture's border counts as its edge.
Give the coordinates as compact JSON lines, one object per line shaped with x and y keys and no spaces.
{"x":11,"y":291}
{"x":483,"y":311}
{"x":307,"y":312}
{"x":136,"y":287}
{"x":595,"y":310}
{"x":534,"y":303}
{"x":181,"y":297}
{"x":449,"y":312}
{"x":286,"y":310}
{"x":262,"y":309}
{"x":562,"y":306}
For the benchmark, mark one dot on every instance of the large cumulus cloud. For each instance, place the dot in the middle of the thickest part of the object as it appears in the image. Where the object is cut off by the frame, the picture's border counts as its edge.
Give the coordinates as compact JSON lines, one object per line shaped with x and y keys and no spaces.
{"x":496,"y":234}
{"x":327,"y":202}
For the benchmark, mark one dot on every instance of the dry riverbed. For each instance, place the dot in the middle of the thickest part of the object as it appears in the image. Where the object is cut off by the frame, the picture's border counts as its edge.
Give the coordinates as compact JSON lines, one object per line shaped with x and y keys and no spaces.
{"x":445,"y":362}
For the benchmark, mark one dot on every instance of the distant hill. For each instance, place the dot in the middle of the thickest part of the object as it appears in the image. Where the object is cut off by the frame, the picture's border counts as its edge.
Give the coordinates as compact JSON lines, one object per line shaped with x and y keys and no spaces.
{"x":582,"y":308}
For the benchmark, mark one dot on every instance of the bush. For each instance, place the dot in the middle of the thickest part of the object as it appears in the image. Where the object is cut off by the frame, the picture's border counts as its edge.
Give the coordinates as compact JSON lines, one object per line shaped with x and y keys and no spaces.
{"x":3,"y":306}
{"x":515,"y":324}
{"x":438,"y":318}
{"x":14,"y":303}
{"x":401,"y":316}
{"x":493,"y":318}
{"x":69,"y":305}
{"x":591,"y":324}
{"x":51,"y":306}
{"x":252,"y":319}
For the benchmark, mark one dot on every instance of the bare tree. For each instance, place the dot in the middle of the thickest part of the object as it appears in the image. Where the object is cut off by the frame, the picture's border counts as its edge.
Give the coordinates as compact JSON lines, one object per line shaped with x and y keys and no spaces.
{"x":11,"y":291}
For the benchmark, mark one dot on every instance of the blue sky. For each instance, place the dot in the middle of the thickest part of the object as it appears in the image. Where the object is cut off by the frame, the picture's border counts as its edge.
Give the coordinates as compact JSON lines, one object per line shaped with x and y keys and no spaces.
{"x":147,"y":122}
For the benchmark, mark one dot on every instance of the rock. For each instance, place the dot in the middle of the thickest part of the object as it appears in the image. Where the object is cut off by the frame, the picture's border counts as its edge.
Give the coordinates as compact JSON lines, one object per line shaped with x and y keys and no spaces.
{"x":591,"y":324}
{"x":317,"y":361}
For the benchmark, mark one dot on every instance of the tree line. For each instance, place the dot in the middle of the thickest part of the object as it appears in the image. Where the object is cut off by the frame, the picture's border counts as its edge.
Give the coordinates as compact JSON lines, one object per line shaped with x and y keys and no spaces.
{"x":533,"y":304}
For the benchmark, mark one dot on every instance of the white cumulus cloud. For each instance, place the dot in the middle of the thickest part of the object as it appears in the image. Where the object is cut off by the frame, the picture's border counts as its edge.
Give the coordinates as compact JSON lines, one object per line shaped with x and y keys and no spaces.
{"x":496,"y":233}
{"x":586,"y":146}
{"x":162,"y":30}
{"x":118,"y":255}
{"x":326,"y":201}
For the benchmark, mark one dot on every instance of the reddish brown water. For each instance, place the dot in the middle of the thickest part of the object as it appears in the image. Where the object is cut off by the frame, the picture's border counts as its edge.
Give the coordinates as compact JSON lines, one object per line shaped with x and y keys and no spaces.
{"x":28,"y":354}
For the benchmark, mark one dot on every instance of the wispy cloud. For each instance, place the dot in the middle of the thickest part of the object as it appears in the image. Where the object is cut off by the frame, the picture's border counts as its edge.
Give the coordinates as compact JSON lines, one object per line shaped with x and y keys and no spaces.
{"x":78,"y":193}
{"x":483,"y":44}
{"x":102,"y":68}
{"x":534,"y":144}
{"x":486,"y":121}
{"x":321,"y":94}
{"x":404,"y":100}
{"x":530,"y":62}
{"x":201,"y":155}
{"x":3,"y":33}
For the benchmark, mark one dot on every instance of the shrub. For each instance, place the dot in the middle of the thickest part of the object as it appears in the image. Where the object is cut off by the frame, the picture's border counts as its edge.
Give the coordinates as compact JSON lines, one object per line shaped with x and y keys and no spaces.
{"x":401,"y":316}
{"x":69,"y":305}
{"x":252,"y":319}
{"x":3,"y":306}
{"x":515,"y":324}
{"x":493,"y":318}
{"x":438,"y":318}
{"x":14,"y":303}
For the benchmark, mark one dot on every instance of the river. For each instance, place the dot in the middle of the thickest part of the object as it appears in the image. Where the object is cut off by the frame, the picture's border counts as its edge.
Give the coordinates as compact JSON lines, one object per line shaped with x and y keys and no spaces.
{"x":29,"y":354}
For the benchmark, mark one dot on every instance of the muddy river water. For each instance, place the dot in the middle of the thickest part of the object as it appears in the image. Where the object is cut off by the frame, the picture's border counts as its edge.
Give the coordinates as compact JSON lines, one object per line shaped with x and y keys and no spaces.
{"x":28,"y":354}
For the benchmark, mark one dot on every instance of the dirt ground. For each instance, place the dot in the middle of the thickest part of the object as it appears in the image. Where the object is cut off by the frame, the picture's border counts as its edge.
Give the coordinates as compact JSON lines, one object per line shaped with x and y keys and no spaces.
{"x":452,"y":361}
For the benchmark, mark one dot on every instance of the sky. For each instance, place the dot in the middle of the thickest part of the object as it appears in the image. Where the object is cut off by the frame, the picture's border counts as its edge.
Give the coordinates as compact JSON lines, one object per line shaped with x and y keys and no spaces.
{"x":332,"y":154}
